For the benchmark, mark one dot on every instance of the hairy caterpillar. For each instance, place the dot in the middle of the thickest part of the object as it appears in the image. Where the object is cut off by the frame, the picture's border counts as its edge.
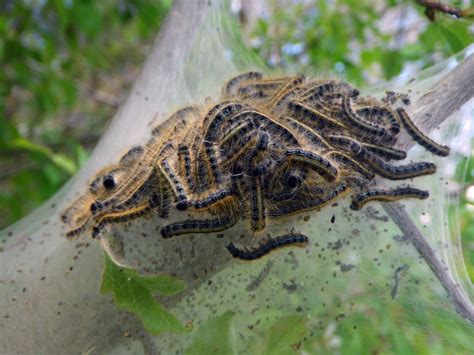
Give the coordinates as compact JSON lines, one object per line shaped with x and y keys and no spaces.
{"x":268,"y":148}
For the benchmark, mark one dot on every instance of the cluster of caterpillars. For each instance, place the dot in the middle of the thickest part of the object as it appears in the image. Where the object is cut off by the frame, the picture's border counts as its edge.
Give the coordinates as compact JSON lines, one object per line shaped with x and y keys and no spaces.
{"x":269,"y":148}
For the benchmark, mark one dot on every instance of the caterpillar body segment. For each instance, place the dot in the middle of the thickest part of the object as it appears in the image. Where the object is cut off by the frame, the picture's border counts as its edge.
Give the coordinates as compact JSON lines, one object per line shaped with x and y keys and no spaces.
{"x":314,"y":117}
{"x":363,"y":198}
{"x":267,"y":246}
{"x":316,"y":162}
{"x":197,"y":226}
{"x":421,"y":138}
{"x":382,"y":114}
{"x":231,"y":87}
{"x":307,"y":133}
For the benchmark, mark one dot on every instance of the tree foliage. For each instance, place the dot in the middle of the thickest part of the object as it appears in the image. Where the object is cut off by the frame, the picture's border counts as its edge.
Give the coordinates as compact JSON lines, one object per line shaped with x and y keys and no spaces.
{"x":66,"y":65}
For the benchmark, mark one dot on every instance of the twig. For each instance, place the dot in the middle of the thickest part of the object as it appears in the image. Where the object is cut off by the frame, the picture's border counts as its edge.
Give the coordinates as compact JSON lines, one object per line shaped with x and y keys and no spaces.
{"x":461,"y":301}
{"x":431,"y":7}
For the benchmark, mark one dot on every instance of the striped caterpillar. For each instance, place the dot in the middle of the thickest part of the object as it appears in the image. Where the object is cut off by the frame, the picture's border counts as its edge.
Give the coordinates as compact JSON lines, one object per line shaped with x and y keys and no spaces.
{"x":267,"y":149}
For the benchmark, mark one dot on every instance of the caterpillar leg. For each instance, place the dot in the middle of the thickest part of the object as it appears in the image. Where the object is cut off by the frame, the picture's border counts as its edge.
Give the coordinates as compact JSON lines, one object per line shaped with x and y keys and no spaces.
{"x":362,"y":198}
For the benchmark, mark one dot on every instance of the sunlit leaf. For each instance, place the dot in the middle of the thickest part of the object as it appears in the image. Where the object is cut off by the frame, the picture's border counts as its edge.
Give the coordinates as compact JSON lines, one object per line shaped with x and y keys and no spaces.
{"x":451,"y":37}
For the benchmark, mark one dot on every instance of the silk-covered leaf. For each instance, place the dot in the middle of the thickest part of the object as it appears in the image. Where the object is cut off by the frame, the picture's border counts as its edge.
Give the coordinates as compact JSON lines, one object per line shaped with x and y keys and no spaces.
{"x":135,"y":294}
{"x":213,"y":337}
{"x":285,"y":336}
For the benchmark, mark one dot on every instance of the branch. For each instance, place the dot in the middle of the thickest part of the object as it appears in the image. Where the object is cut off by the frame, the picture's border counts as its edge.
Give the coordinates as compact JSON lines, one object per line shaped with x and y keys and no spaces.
{"x":461,"y":301}
{"x":431,"y":7}
{"x":447,"y":96}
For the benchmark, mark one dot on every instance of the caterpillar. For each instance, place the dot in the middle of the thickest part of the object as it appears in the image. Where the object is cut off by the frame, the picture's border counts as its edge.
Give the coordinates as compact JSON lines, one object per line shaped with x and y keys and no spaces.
{"x":266,"y":149}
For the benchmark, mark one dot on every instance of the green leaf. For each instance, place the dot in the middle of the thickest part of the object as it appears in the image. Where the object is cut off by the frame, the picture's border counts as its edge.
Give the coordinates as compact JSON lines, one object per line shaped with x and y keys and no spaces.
{"x":285,"y":335}
{"x":213,"y":337}
{"x":392,"y":63}
{"x":451,"y":37}
{"x":134,"y":293}
{"x":89,"y":19}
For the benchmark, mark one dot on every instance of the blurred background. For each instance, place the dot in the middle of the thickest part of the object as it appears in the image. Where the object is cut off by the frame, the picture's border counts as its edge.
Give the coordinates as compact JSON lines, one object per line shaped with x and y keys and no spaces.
{"x":68,"y":64}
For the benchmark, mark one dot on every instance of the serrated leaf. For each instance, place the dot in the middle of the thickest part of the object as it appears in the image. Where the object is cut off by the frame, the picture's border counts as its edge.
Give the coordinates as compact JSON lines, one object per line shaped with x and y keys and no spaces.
{"x":213,"y":337}
{"x":134,"y":293}
{"x":285,"y":335}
